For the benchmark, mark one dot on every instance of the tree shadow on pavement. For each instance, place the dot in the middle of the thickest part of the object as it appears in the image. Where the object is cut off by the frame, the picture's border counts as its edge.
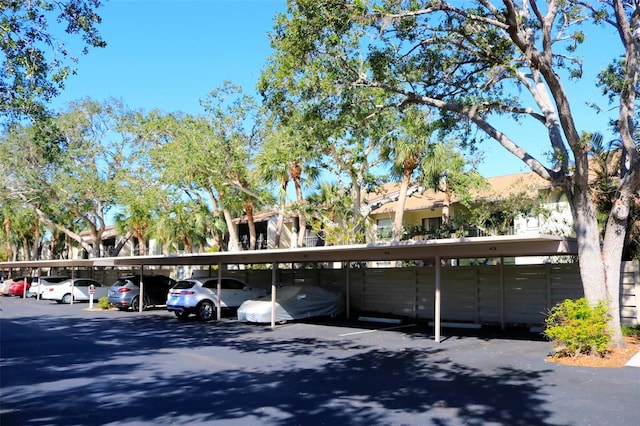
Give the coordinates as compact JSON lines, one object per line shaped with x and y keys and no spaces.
{"x":157,"y":370}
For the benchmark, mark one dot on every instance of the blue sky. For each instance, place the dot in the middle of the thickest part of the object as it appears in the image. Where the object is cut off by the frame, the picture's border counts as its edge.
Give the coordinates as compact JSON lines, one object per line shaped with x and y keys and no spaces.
{"x":168,"y":54}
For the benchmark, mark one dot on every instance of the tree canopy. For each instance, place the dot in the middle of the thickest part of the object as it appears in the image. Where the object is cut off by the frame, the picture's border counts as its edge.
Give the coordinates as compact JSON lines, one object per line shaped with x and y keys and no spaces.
{"x":35,"y":64}
{"x":473,"y":65}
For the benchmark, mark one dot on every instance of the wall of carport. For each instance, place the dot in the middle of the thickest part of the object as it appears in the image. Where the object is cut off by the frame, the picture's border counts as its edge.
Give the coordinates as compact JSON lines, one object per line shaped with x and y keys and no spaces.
{"x":470,"y":294}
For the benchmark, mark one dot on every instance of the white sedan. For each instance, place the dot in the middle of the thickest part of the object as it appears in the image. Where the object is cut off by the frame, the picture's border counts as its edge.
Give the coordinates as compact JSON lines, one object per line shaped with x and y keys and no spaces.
{"x":61,"y":292}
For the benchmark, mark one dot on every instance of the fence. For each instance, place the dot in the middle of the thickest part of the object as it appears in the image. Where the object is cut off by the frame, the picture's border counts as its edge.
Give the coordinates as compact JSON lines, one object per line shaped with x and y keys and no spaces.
{"x":468,"y":293}
{"x":474,"y":294}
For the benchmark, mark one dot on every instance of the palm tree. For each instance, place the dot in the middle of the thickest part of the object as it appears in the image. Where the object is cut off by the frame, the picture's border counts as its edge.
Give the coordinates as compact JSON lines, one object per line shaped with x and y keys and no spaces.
{"x":331,"y":212}
{"x":405,"y":151}
{"x":283,"y":159}
{"x":185,"y":225}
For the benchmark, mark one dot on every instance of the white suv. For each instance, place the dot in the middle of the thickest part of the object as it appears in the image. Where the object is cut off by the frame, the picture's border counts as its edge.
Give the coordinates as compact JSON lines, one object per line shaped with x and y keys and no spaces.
{"x":199,"y":296}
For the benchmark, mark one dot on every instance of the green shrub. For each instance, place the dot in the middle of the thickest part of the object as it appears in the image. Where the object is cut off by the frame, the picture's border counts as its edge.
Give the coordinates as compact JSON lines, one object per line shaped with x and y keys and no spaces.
{"x":103,"y":303}
{"x":577,"y":328}
{"x":631,"y":331}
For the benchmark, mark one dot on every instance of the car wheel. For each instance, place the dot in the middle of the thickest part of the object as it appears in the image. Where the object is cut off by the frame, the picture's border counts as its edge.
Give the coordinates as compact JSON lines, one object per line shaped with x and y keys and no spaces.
{"x":182,"y":315}
{"x":135,"y":304}
{"x":205,"y":311}
{"x":66,"y":298}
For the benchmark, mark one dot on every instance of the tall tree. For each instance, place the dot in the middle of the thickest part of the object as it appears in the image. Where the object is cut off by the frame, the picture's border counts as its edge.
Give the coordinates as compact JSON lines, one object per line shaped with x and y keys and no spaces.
{"x":209,"y":156}
{"x":287,"y":156}
{"x":184,"y":226}
{"x":35,"y":62}
{"x":331,"y":215}
{"x":76,"y":177}
{"x":404,"y":150}
{"x":473,"y":64}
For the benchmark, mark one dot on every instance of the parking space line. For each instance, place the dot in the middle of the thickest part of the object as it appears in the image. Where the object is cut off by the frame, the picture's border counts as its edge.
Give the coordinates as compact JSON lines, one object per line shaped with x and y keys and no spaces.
{"x":377,"y":329}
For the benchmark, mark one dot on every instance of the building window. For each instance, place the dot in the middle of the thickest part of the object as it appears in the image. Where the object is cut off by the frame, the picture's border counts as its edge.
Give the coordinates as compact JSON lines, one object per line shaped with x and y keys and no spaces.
{"x":384,"y":228}
{"x":432,"y":223}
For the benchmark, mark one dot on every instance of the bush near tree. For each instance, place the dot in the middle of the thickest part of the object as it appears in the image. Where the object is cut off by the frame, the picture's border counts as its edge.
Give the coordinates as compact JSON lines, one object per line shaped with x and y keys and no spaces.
{"x":578,"y":328}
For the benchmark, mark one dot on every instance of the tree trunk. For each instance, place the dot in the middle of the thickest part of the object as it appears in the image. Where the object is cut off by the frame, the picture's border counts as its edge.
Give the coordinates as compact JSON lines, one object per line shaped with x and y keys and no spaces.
{"x":612,"y":248}
{"x":118,"y":247}
{"x":248,"y":208}
{"x":402,"y":198}
{"x":599,"y":267}
{"x":7,"y":232}
{"x":279,"y":226}
{"x":296,"y":173}
{"x":36,"y":238}
{"x":233,"y":233}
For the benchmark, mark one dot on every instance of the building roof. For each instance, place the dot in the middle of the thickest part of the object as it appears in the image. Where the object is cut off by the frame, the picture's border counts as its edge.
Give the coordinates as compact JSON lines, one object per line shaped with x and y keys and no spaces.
{"x":499,"y":187}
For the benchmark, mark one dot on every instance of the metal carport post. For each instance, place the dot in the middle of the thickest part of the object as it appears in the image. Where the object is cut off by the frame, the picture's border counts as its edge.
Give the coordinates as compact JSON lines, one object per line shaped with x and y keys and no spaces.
{"x":348,"y":299}
{"x":72,"y":279}
{"x":273,"y":294}
{"x":436,"y":315}
{"x":141,"y":296}
{"x":219,"y":293}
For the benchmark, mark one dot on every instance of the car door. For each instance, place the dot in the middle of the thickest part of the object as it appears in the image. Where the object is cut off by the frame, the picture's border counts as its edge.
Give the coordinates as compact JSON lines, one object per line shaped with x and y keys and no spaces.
{"x":212,"y":286}
{"x":81,"y":289}
{"x":233,"y":291}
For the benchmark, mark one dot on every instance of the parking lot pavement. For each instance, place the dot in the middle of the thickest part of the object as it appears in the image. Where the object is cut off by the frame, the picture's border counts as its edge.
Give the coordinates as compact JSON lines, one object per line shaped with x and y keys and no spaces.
{"x":66,"y":365}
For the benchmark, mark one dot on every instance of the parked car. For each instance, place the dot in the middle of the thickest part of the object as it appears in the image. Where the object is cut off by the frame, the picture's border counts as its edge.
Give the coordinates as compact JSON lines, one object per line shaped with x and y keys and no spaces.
{"x":125,"y":292}
{"x":39,"y":284}
{"x":61,"y":292}
{"x":293,"y":302}
{"x":5,"y":284}
{"x":17,"y":286}
{"x":199,"y":296}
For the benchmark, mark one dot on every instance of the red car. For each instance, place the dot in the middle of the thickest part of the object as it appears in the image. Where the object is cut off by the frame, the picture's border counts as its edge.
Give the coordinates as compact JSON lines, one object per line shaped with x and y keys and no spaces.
{"x":17,"y":287}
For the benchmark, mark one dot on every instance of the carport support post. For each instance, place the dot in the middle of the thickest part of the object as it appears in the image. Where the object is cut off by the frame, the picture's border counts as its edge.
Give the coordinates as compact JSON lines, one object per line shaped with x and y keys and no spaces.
{"x":141,"y":297}
{"x":273,"y":295}
{"x":347,"y":295}
{"x":436,"y":319}
{"x":219,"y":293}
{"x":72,"y":279}
{"x":39,"y":283}
{"x":502,"y":297}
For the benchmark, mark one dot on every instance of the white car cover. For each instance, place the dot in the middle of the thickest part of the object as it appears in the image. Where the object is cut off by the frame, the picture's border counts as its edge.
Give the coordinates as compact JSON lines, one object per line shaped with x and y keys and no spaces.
{"x":293,"y":302}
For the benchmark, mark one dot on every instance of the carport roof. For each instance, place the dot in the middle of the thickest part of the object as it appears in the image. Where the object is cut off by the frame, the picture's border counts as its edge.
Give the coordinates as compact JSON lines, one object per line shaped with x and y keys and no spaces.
{"x":451,"y":248}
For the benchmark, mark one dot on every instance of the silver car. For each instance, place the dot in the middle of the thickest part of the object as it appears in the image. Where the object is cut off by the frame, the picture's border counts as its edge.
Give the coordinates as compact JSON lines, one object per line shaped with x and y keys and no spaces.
{"x":199,"y":296}
{"x":125,"y":292}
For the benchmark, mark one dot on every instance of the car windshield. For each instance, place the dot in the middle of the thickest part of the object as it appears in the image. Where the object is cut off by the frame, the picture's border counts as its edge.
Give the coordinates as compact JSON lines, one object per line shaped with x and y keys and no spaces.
{"x":184,"y":284}
{"x":123,"y":282}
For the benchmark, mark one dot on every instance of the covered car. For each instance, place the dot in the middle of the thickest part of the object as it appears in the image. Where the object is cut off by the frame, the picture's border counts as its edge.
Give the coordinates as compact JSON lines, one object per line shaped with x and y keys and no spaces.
{"x":293,"y":302}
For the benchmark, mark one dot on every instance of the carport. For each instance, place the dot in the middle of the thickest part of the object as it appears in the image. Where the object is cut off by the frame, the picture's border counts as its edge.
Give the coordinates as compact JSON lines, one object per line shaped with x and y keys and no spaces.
{"x":426,"y":250}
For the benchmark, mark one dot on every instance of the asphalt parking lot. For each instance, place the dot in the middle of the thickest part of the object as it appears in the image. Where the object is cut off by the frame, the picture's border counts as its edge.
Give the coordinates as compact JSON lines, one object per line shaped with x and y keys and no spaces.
{"x":67,"y":365}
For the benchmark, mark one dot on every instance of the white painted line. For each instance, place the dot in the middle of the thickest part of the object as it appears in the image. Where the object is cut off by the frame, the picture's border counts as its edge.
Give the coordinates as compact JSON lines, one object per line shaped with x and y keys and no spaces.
{"x":357,"y":332}
{"x":379,"y":329}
